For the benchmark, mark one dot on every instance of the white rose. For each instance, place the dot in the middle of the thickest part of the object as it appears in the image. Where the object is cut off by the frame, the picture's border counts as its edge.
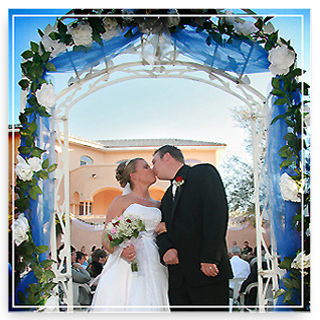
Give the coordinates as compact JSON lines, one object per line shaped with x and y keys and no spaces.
{"x":301,"y":261}
{"x":281,"y":59}
{"x":23,"y":169}
{"x":82,"y":35}
{"x":46,"y":96}
{"x":269,"y":28}
{"x":35,"y":163}
{"x":229,"y":20}
{"x":53,"y":46}
{"x":112,"y":28}
{"x":245,"y":28}
{"x":20,"y":228}
{"x":174,"y":20}
{"x":289,"y":188}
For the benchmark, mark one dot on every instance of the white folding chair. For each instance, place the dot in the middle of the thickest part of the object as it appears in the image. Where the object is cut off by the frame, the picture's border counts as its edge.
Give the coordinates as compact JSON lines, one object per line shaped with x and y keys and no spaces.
{"x":235,"y":284}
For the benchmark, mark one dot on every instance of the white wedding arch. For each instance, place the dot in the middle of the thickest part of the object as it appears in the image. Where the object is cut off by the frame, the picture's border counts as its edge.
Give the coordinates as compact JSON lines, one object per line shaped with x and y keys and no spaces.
{"x":160,"y":64}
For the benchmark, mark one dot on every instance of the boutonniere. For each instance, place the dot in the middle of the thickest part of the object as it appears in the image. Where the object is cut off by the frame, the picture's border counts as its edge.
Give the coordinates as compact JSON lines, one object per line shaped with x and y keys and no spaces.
{"x":178,"y":182}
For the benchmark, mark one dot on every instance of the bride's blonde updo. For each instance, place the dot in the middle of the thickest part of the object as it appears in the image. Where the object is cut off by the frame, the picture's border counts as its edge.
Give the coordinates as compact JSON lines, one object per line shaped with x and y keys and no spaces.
{"x":124,"y":169}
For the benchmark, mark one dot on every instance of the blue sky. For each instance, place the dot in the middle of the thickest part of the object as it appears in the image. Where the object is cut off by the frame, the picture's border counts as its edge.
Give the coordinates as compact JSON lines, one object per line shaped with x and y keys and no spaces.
{"x":153,"y":108}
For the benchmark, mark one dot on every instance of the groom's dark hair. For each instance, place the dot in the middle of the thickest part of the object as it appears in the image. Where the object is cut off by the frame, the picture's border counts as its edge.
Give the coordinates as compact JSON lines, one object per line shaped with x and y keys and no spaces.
{"x":172,"y":150}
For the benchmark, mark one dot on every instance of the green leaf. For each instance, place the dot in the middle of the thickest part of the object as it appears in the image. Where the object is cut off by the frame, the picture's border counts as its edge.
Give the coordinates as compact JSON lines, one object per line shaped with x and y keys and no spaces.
{"x":277,"y":118}
{"x":32,"y":100}
{"x":37,"y":152}
{"x":24,"y":150}
{"x":279,"y":293}
{"x":37,"y":189}
{"x":46,"y":56}
{"x":285,"y":153}
{"x":287,"y":296}
{"x":33,"y":127}
{"x":208,"y":40}
{"x":285,"y":163}
{"x":21,"y":296}
{"x":50,"y":67}
{"x":286,"y":263}
{"x":278,"y":92}
{"x":24,"y":84}
{"x":43,"y":174}
{"x":46,"y":263}
{"x":280,"y":102}
{"x":34,"y":47}
{"x":62,"y":28}
{"x":49,"y":273}
{"x":34,"y":287}
{"x":40,"y":33}
{"x":54,"y":36}
{"x":45,"y":164}
{"x":276,"y":83}
{"x":290,"y":137}
{"x":52,"y":167}
{"x":33,"y":195}
{"x":27,"y":54}
{"x":288,"y":283}
{"x":42,"y":249}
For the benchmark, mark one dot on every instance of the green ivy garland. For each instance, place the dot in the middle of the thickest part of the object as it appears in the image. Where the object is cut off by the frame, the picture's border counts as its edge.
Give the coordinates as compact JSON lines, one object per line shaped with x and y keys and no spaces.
{"x":37,"y":63}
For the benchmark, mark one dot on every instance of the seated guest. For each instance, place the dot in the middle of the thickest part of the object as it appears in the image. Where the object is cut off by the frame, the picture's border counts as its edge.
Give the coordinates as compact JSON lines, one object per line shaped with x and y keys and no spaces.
{"x":240,"y":267}
{"x":246,"y":248}
{"x":98,"y":261}
{"x":81,"y":290}
{"x":251,"y":297}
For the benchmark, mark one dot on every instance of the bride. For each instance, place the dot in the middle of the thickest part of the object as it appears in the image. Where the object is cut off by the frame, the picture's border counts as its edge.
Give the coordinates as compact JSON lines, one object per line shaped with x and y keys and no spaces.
{"x":119,"y":288}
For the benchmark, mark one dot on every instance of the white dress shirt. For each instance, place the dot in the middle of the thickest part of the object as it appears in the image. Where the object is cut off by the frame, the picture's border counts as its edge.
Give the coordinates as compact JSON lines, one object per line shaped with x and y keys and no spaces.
{"x":240,"y":267}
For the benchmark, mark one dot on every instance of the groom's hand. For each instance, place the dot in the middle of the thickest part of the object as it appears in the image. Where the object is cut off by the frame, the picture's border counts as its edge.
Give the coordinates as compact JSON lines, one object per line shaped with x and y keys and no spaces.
{"x":209,"y":269}
{"x":171,"y":257}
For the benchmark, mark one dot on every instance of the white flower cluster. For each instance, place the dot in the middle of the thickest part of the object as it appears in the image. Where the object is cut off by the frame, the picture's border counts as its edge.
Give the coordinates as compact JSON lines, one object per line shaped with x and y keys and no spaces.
{"x":289,"y":189}
{"x":281,"y":59}
{"x":301,"y":262}
{"x":82,"y":35}
{"x":25,"y":170}
{"x":20,"y":228}
{"x":46,"y":96}
{"x":112,"y":28}
{"x":53,"y":46}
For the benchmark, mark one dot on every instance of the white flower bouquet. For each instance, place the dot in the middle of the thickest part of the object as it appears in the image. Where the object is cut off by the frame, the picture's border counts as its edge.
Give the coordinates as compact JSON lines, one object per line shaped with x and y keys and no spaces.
{"x":122,"y":229}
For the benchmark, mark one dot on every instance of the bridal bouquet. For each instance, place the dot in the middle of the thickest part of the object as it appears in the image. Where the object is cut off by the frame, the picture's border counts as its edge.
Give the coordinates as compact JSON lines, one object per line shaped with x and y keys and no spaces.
{"x":122,"y":229}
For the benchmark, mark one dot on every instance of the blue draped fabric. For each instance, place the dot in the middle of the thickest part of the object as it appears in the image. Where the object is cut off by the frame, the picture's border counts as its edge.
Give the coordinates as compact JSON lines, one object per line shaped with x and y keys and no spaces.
{"x":80,"y":60}
{"x":280,"y":212}
{"x":241,"y":56}
{"x":41,"y":211}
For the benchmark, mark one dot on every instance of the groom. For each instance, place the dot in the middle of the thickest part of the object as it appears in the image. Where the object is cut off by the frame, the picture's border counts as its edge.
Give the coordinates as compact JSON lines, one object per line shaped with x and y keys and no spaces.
{"x":194,"y":209}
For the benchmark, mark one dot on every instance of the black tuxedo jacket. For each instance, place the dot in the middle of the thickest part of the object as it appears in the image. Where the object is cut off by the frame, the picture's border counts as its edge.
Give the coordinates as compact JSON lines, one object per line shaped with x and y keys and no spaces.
{"x":196,"y":222}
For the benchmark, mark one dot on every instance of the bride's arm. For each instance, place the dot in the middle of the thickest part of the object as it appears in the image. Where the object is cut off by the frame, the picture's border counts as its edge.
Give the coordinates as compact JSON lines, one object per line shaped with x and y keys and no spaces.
{"x":114,"y":210}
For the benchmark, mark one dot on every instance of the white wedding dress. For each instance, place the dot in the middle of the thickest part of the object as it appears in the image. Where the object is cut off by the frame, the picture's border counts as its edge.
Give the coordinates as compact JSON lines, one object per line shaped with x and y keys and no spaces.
{"x":120,"y":289}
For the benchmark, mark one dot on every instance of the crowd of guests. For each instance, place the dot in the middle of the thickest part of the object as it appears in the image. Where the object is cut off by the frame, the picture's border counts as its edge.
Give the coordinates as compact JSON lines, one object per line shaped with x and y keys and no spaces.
{"x":85,"y":271}
{"x":244,"y":265}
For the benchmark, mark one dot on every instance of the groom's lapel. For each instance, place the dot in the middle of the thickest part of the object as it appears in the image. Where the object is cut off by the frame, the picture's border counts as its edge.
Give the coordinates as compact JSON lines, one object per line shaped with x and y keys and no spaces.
{"x":183,"y":172}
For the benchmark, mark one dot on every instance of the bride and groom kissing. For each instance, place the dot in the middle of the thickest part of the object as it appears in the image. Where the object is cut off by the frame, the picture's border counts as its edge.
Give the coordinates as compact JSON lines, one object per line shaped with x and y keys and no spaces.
{"x":182,"y":255}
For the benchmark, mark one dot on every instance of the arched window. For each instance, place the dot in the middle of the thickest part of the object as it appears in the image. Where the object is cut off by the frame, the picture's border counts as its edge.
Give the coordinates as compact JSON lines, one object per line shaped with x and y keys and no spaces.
{"x":85,"y":160}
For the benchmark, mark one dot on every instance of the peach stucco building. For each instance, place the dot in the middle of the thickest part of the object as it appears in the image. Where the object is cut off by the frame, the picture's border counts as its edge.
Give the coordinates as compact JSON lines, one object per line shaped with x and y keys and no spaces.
{"x":93,"y":186}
